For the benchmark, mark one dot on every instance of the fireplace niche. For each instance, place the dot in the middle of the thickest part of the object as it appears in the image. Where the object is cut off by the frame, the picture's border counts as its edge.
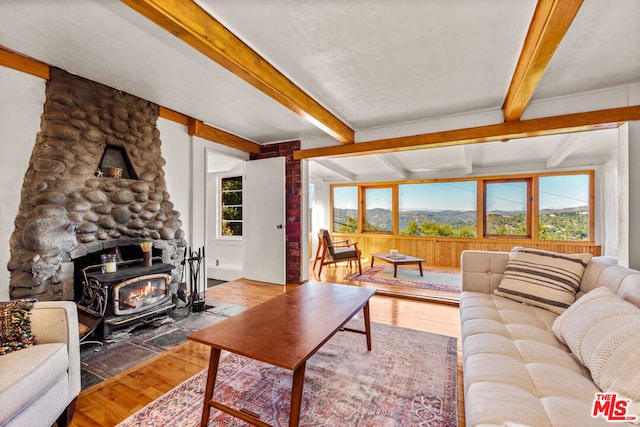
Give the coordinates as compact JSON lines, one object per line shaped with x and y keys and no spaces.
{"x":73,"y":206}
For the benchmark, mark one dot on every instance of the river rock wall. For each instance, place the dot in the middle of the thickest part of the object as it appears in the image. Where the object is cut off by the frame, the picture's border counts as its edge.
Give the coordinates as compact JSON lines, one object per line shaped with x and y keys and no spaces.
{"x":69,"y":206}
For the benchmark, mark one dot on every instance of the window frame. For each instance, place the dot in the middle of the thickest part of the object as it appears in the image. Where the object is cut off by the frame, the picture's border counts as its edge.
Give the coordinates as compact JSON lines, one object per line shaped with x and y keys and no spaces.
{"x":439,"y":182}
{"x":221,"y":206}
{"x":532,"y":206}
{"x":591,"y":207}
{"x":358,"y":188}
{"x":528,"y":203}
{"x":394,"y":208}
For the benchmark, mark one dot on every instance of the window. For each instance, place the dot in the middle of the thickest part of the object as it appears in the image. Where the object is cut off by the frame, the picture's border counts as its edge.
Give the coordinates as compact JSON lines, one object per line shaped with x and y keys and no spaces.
{"x":563,"y":207}
{"x":539,"y":207}
{"x":440,"y":209}
{"x":507,"y":208}
{"x":379,"y":209}
{"x":345,"y":209}
{"x":231,"y":206}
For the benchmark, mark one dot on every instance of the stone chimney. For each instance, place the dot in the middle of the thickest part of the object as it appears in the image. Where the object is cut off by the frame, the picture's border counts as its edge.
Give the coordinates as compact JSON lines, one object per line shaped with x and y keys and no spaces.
{"x":94,"y":181}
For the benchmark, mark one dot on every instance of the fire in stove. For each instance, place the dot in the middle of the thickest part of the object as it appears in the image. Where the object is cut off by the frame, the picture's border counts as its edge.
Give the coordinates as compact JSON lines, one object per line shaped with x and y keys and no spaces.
{"x":140,"y":293}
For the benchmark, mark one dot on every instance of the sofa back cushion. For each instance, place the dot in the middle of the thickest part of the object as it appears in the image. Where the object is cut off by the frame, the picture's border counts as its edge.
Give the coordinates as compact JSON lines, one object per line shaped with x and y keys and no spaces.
{"x":603,"y":332}
{"x":544,"y":279}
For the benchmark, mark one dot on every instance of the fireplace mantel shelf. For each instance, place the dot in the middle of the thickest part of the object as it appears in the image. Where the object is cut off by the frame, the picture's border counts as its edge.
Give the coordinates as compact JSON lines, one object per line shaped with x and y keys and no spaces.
{"x":125,"y":273}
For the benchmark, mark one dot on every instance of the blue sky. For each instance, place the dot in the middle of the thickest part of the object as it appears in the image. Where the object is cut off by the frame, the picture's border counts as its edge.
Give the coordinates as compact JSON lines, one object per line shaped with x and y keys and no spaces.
{"x":561,"y":191}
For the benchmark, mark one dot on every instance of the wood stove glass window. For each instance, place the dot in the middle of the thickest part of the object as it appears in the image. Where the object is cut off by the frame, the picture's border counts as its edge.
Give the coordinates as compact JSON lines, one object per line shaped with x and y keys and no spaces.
{"x":141,"y":293}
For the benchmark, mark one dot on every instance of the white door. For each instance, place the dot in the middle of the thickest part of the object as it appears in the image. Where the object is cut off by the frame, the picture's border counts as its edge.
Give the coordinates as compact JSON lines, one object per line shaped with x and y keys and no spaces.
{"x":264,"y":232}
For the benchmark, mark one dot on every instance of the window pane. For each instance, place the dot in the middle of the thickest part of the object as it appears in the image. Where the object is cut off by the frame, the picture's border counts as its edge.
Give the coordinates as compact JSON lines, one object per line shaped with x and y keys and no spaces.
{"x":232,"y":213}
{"x":378,"y":216}
{"x":506,"y":209}
{"x":345,"y":209}
{"x":232,"y":198}
{"x":564,"y":207}
{"x":438,"y":209}
{"x":234,"y":183}
{"x":231,"y":228}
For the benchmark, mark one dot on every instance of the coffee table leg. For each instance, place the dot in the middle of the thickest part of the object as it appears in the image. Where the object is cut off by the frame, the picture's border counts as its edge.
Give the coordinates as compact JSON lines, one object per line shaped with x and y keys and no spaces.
{"x":420,"y":265}
{"x":395,"y":269}
{"x":214,"y":359}
{"x":296,"y":395}
{"x":367,"y":325}
{"x":372,"y":257}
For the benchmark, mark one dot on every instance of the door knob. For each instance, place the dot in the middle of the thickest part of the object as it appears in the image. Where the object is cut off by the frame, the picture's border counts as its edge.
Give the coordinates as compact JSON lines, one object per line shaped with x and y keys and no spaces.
{"x":279,"y":226}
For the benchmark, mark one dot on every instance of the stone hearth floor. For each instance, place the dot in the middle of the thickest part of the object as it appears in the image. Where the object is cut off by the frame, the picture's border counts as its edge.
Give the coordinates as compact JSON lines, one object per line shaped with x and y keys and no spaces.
{"x":147,"y":341}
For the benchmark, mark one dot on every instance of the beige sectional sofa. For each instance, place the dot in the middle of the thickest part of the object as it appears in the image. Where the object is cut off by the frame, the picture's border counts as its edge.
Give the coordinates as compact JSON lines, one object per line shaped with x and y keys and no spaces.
{"x":39,"y":384}
{"x":517,"y":372}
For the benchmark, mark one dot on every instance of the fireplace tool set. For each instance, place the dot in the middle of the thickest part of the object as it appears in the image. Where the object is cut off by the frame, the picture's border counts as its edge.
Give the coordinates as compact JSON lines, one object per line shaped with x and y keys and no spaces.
{"x":194,"y":300}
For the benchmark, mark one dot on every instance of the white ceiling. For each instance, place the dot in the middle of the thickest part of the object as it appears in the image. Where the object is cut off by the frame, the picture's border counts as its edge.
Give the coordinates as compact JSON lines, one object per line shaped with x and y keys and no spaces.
{"x":372,"y":63}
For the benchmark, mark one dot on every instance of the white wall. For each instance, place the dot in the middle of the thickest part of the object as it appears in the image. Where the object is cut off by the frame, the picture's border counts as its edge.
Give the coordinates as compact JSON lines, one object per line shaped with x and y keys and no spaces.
{"x":176,"y":150}
{"x":305,"y":226}
{"x":20,"y":109}
{"x":634,"y":183}
{"x":321,"y":212}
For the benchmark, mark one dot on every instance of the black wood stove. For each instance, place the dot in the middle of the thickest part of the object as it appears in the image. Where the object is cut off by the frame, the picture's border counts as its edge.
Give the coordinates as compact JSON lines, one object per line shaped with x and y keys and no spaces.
{"x":130,"y":295}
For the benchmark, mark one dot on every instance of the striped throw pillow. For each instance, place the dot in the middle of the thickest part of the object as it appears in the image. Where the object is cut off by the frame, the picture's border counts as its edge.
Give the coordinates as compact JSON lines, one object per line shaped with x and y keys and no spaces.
{"x":544,"y":279}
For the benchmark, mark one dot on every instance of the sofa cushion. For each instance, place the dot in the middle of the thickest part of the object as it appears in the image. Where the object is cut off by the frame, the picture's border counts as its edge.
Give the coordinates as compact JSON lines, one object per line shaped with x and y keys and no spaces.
{"x":15,"y":325}
{"x":544,"y":279}
{"x":26,"y":374}
{"x":603,"y":331}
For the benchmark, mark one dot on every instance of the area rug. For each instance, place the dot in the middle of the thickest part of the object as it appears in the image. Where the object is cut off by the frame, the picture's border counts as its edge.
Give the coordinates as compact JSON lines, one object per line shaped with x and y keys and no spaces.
{"x":408,"y":379}
{"x":442,"y":280}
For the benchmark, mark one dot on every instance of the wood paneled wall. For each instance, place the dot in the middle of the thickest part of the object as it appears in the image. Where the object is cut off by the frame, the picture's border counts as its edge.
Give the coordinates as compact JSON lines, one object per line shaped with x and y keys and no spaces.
{"x":445,"y":252}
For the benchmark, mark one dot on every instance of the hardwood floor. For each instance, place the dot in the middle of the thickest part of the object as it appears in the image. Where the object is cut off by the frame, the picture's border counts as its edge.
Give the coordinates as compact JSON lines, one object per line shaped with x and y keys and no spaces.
{"x":108,"y":403}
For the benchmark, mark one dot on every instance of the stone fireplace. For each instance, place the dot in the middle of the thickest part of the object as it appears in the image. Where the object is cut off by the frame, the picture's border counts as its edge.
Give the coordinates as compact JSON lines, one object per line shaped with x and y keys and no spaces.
{"x":94,"y":183}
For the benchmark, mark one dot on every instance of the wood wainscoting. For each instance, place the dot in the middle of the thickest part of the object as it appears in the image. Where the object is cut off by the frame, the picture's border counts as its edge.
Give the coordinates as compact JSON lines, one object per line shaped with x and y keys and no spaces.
{"x":445,"y":251}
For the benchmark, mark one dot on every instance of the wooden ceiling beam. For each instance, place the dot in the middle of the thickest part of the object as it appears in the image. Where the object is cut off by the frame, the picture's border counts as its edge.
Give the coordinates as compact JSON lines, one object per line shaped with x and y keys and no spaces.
{"x":549,"y":24}
{"x":578,"y":122}
{"x":193,"y":25}
{"x":11,"y":59}
{"x":204,"y":131}
{"x":174,"y":116}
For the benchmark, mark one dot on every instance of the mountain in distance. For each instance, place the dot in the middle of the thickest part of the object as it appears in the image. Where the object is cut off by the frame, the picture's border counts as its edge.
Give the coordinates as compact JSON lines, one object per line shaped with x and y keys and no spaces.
{"x":448,"y":216}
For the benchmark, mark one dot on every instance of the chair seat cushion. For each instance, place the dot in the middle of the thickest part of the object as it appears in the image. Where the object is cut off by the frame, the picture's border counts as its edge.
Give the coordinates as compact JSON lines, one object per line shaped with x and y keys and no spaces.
{"x":26,"y":374}
{"x":344,"y":253}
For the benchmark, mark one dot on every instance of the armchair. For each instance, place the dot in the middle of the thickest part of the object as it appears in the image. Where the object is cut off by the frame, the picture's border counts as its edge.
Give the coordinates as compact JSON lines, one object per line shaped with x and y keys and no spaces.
{"x":332,"y":252}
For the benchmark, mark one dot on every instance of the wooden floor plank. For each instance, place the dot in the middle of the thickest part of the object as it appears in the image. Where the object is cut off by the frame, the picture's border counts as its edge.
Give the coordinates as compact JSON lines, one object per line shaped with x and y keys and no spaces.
{"x":113,"y":400}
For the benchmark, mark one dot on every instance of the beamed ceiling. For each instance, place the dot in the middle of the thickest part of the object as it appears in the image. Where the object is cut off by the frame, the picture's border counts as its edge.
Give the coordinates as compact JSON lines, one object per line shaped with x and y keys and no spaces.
{"x":374,"y":89}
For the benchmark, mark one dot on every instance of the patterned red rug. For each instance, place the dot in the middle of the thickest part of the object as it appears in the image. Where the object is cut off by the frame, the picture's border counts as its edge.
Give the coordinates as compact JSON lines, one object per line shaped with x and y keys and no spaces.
{"x":441,"y":280}
{"x":408,"y":379}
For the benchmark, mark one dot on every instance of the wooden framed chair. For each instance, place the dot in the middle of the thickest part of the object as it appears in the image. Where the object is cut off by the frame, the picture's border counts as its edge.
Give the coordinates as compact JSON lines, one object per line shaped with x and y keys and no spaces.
{"x":332,"y":252}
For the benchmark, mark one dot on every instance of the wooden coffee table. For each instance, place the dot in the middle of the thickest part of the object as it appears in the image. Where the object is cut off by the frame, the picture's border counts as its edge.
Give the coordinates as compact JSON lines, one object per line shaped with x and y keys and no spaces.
{"x":284,"y":331}
{"x":397,"y":260}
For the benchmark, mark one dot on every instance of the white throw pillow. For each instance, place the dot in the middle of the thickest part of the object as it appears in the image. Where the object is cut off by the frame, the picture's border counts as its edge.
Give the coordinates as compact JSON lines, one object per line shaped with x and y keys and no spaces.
{"x":544,"y":279}
{"x":603,"y":332}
